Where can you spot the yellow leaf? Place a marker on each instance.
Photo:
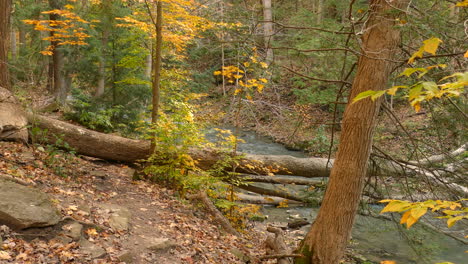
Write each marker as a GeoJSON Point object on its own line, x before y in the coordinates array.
{"type": "Point", "coordinates": [463, 4]}
{"type": "Point", "coordinates": [396, 206]}
{"type": "Point", "coordinates": [417, 54]}
{"type": "Point", "coordinates": [394, 89]}
{"type": "Point", "coordinates": [431, 45]}
{"type": "Point", "coordinates": [466, 54]}
{"type": "Point", "coordinates": [417, 107]}
{"type": "Point", "coordinates": [418, 212]}
{"type": "Point", "coordinates": [405, 216]}
{"type": "Point", "coordinates": [410, 221]}
{"type": "Point", "coordinates": [4, 255]}
{"type": "Point", "coordinates": [388, 262]}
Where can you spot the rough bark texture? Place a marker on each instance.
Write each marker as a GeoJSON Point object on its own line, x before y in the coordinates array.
{"type": "Point", "coordinates": [326, 241]}
{"type": "Point", "coordinates": [58, 81]}
{"type": "Point", "coordinates": [5, 10]}
{"type": "Point", "coordinates": [157, 57]}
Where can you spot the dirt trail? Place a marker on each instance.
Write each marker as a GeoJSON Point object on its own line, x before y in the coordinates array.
{"type": "Point", "coordinates": [161, 228]}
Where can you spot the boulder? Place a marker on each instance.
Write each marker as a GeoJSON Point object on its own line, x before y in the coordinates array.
{"type": "Point", "coordinates": [23, 207]}
{"type": "Point", "coordinates": [13, 121]}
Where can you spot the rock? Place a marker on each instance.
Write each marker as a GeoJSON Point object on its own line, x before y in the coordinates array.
{"type": "Point", "coordinates": [297, 223]}
{"type": "Point", "coordinates": [119, 217]}
{"type": "Point", "coordinates": [23, 207]}
{"type": "Point", "coordinates": [73, 230]}
{"type": "Point", "coordinates": [13, 121]}
{"type": "Point", "coordinates": [125, 256]}
{"type": "Point", "coordinates": [90, 249]}
{"type": "Point", "coordinates": [160, 244]}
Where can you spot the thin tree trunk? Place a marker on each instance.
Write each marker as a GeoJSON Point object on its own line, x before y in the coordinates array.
{"type": "Point", "coordinates": [326, 241]}
{"type": "Point", "coordinates": [5, 12]}
{"type": "Point", "coordinates": [157, 70]}
{"type": "Point", "coordinates": [13, 45]}
{"type": "Point", "coordinates": [268, 30]}
{"type": "Point", "coordinates": [319, 11]}
{"type": "Point", "coordinates": [101, 87]}
{"type": "Point", "coordinates": [59, 89]}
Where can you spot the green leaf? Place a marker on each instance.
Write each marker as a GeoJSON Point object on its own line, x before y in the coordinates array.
{"type": "Point", "coordinates": [364, 95]}
{"type": "Point", "coordinates": [408, 71]}
{"type": "Point", "coordinates": [377, 95]}
{"type": "Point", "coordinates": [415, 91]}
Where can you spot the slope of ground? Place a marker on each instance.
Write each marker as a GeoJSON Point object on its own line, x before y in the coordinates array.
{"type": "Point", "coordinates": [161, 229]}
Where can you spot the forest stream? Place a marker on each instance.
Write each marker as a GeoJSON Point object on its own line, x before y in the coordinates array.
{"type": "Point", "coordinates": [375, 238]}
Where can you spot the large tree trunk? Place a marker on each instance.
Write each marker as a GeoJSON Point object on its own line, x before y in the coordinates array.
{"type": "Point", "coordinates": [326, 241]}
{"type": "Point", "coordinates": [5, 10]}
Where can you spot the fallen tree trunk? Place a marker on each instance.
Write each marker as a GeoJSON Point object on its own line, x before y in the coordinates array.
{"type": "Point", "coordinates": [270, 192]}
{"type": "Point", "coordinates": [279, 179]}
{"type": "Point", "coordinates": [112, 147]}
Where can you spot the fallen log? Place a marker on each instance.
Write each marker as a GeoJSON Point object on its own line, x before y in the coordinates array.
{"type": "Point", "coordinates": [111, 147]}
{"type": "Point", "coordinates": [281, 179]}
{"type": "Point", "coordinates": [258, 199]}
{"type": "Point", "coordinates": [270, 192]}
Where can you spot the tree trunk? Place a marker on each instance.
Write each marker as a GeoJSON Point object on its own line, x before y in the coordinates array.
{"type": "Point", "coordinates": [13, 45]}
{"type": "Point", "coordinates": [56, 71]}
{"type": "Point", "coordinates": [101, 87]}
{"type": "Point", "coordinates": [157, 70]}
{"type": "Point", "coordinates": [268, 29]}
{"type": "Point", "coordinates": [5, 13]}
{"type": "Point", "coordinates": [326, 241]}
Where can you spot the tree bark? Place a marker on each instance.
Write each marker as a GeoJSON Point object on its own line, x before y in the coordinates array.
{"type": "Point", "coordinates": [5, 13]}
{"type": "Point", "coordinates": [157, 70]}
{"type": "Point", "coordinates": [58, 87]}
{"type": "Point", "coordinates": [101, 87]}
{"type": "Point", "coordinates": [326, 241]}
{"type": "Point", "coordinates": [268, 30]}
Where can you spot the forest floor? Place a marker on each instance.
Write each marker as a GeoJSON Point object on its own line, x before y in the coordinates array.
{"type": "Point", "coordinates": [83, 189]}
{"type": "Point", "coordinates": [80, 186]}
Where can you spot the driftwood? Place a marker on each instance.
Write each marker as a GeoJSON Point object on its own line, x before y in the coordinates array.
{"type": "Point", "coordinates": [211, 208]}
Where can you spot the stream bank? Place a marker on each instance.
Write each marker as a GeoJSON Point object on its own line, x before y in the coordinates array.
{"type": "Point", "coordinates": [374, 239]}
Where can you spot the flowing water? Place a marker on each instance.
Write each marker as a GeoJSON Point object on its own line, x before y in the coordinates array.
{"type": "Point", "coordinates": [374, 238]}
